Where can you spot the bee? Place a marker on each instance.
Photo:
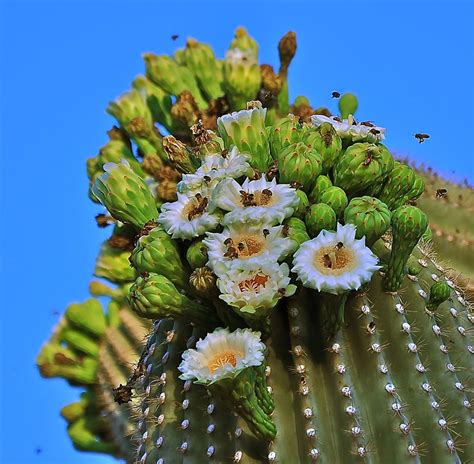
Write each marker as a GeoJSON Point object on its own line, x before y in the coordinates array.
{"type": "Point", "coordinates": [295, 184]}
{"type": "Point", "coordinates": [337, 118]}
{"type": "Point", "coordinates": [281, 291]}
{"type": "Point", "coordinates": [241, 246]}
{"type": "Point", "coordinates": [228, 241]}
{"type": "Point", "coordinates": [267, 192]}
{"type": "Point", "coordinates": [200, 208]}
{"type": "Point", "coordinates": [174, 37]}
{"type": "Point", "coordinates": [224, 153]}
{"type": "Point", "coordinates": [368, 159]}
{"type": "Point", "coordinates": [256, 174]}
{"type": "Point", "coordinates": [301, 120]}
{"type": "Point", "coordinates": [265, 232]}
{"type": "Point", "coordinates": [339, 245]}
{"type": "Point", "coordinates": [442, 192]}
{"type": "Point", "coordinates": [285, 230]}
{"type": "Point", "coordinates": [367, 123]}
{"type": "Point", "coordinates": [207, 178]}
{"type": "Point", "coordinates": [374, 131]}
{"type": "Point", "coordinates": [272, 170]}
{"type": "Point", "coordinates": [335, 95]}
{"type": "Point", "coordinates": [421, 137]}
{"type": "Point", "coordinates": [247, 199]}
{"type": "Point", "coordinates": [268, 95]}
{"type": "Point", "coordinates": [231, 253]}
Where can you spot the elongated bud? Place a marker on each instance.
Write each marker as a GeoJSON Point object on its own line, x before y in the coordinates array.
{"type": "Point", "coordinates": [125, 194]}
{"type": "Point", "coordinates": [81, 342]}
{"type": "Point", "coordinates": [408, 225]}
{"type": "Point", "coordinates": [112, 264]}
{"type": "Point", "coordinates": [322, 184]}
{"type": "Point", "coordinates": [171, 77]}
{"type": "Point", "coordinates": [285, 132]}
{"type": "Point", "coordinates": [179, 154]}
{"type": "Point", "coordinates": [439, 293]}
{"type": "Point", "coordinates": [348, 104]}
{"type": "Point", "coordinates": [286, 51]}
{"type": "Point", "coordinates": [243, 41]}
{"type": "Point", "coordinates": [370, 216]}
{"type": "Point", "coordinates": [200, 59]}
{"type": "Point", "coordinates": [196, 254]}
{"type": "Point", "coordinates": [336, 198]}
{"type": "Point", "coordinates": [299, 163]}
{"type": "Point", "coordinates": [417, 188]}
{"type": "Point", "coordinates": [154, 296]}
{"type": "Point", "coordinates": [87, 316]}
{"type": "Point", "coordinates": [246, 130]}
{"type": "Point", "coordinates": [399, 182]}
{"type": "Point", "coordinates": [156, 252]}
{"type": "Point", "coordinates": [206, 141]}
{"type": "Point", "coordinates": [185, 110]}
{"type": "Point", "coordinates": [320, 217]}
{"type": "Point", "coordinates": [97, 288]}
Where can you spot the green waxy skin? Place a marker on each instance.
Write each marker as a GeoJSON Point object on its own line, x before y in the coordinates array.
{"type": "Point", "coordinates": [348, 105]}
{"type": "Point", "coordinates": [399, 183]}
{"type": "Point", "coordinates": [370, 216]}
{"type": "Point", "coordinates": [327, 143]}
{"type": "Point", "coordinates": [113, 264]}
{"type": "Point", "coordinates": [158, 253]}
{"type": "Point", "coordinates": [322, 183]}
{"type": "Point", "coordinates": [336, 198]}
{"type": "Point", "coordinates": [303, 205]}
{"type": "Point", "coordinates": [299, 163]}
{"type": "Point", "coordinates": [196, 254]}
{"type": "Point", "coordinates": [439, 293]}
{"type": "Point", "coordinates": [320, 216]}
{"type": "Point", "coordinates": [287, 131]}
{"type": "Point", "coordinates": [408, 225]}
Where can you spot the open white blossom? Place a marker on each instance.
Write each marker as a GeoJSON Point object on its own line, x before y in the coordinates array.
{"type": "Point", "coordinates": [257, 287]}
{"type": "Point", "coordinates": [335, 262]}
{"type": "Point", "coordinates": [243, 244]}
{"type": "Point", "coordinates": [231, 125]}
{"type": "Point", "coordinates": [222, 355]}
{"type": "Point", "coordinates": [189, 217]}
{"type": "Point", "coordinates": [256, 201]}
{"type": "Point", "coordinates": [347, 128]}
{"type": "Point", "coordinates": [215, 168]}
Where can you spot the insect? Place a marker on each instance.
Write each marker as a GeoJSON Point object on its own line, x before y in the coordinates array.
{"type": "Point", "coordinates": [335, 95]}
{"type": "Point", "coordinates": [339, 245]}
{"type": "Point", "coordinates": [241, 246]}
{"type": "Point", "coordinates": [374, 131]}
{"type": "Point", "coordinates": [442, 192]}
{"type": "Point", "coordinates": [267, 192]}
{"type": "Point", "coordinates": [367, 123]}
{"type": "Point", "coordinates": [207, 178]}
{"type": "Point", "coordinates": [122, 394]}
{"type": "Point", "coordinates": [247, 199]}
{"type": "Point", "coordinates": [224, 153]}
{"type": "Point", "coordinates": [265, 232]}
{"type": "Point", "coordinates": [368, 159]}
{"type": "Point", "coordinates": [174, 36]}
{"type": "Point", "coordinates": [228, 241]}
{"type": "Point", "coordinates": [295, 184]}
{"type": "Point", "coordinates": [421, 137]}
{"type": "Point", "coordinates": [231, 253]}
{"type": "Point", "coordinates": [200, 208]}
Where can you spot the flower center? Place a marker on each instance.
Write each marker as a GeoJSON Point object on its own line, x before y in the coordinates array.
{"type": "Point", "coordinates": [257, 198]}
{"type": "Point", "coordinates": [253, 284]}
{"type": "Point", "coordinates": [223, 358]}
{"type": "Point", "coordinates": [244, 246]}
{"type": "Point", "coordinates": [335, 260]}
{"type": "Point", "coordinates": [195, 207]}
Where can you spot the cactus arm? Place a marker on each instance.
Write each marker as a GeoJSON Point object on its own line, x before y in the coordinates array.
{"type": "Point", "coordinates": [83, 438]}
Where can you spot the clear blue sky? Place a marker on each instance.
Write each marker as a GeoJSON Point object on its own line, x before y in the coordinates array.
{"type": "Point", "coordinates": [410, 63]}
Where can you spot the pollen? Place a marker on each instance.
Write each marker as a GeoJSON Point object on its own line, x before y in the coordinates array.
{"type": "Point", "coordinates": [334, 260]}
{"type": "Point", "coordinates": [195, 207]}
{"type": "Point", "coordinates": [221, 359]}
{"type": "Point", "coordinates": [253, 284]}
{"type": "Point", "coordinates": [249, 245]}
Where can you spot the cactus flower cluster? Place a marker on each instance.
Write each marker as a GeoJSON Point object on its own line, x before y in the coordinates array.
{"type": "Point", "coordinates": [297, 312]}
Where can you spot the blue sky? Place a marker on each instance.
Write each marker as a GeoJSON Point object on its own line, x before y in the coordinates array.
{"type": "Point", "coordinates": [410, 63]}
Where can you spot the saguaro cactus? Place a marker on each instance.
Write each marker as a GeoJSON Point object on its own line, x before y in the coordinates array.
{"type": "Point", "coordinates": [298, 312]}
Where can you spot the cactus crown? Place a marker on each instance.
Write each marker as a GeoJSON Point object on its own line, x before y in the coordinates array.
{"type": "Point", "coordinates": [276, 254]}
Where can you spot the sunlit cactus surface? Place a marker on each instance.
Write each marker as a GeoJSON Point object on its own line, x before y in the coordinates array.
{"type": "Point", "coordinates": [276, 296]}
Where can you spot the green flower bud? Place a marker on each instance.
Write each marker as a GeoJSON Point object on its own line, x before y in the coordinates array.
{"type": "Point", "coordinates": [336, 198]}
{"type": "Point", "coordinates": [206, 141]}
{"type": "Point", "coordinates": [125, 194]}
{"type": "Point", "coordinates": [97, 288]}
{"type": "Point", "coordinates": [408, 226]}
{"type": "Point", "coordinates": [320, 217]}
{"type": "Point", "coordinates": [295, 229]}
{"type": "Point", "coordinates": [428, 235]}
{"type": "Point", "coordinates": [303, 205]}
{"type": "Point", "coordinates": [322, 183]}
{"type": "Point", "coordinates": [84, 435]}
{"type": "Point", "coordinates": [243, 41]}
{"type": "Point", "coordinates": [159, 102]}
{"type": "Point", "coordinates": [399, 182]}
{"type": "Point", "coordinates": [87, 316]}
{"type": "Point", "coordinates": [287, 131]}
{"type": "Point", "coordinates": [299, 163]}
{"type": "Point", "coordinates": [325, 140]}
{"type": "Point", "coordinates": [113, 264]}
{"type": "Point", "coordinates": [439, 293]}
{"type": "Point", "coordinates": [158, 253]}
{"type": "Point", "coordinates": [417, 188]}
{"type": "Point", "coordinates": [196, 254]}
{"type": "Point", "coordinates": [370, 216]}
{"type": "Point", "coordinates": [179, 154]}
{"type": "Point", "coordinates": [133, 114]}
{"type": "Point", "coordinates": [154, 296]}
{"type": "Point", "coordinates": [359, 167]}
{"type": "Point", "coordinates": [74, 411]}
{"type": "Point", "coordinates": [301, 100]}
{"type": "Point", "coordinates": [171, 77]}
{"type": "Point", "coordinates": [348, 105]}
{"type": "Point", "coordinates": [200, 59]}
{"type": "Point", "coordinates": [413, 266]}
{"type": "Point", "coordinates": [246, 130]}
{"type": "Point", "coordinates": [79, 341]}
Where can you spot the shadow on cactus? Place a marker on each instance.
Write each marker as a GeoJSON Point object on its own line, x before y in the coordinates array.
{"type": "Point", "coordinates": [299, 312]}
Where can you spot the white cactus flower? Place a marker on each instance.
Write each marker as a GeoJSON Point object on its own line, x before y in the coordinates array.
{"type": "Point", "coordinates": [215, 168]}
{"type": "Point", "coordinates": [189, 216]}
{"type": "Point", "coordinates": [335, 262]}
{"type": "Point", "coordinates": [243, 244]}
{"type": "Point", "coordinates": [349, 129]}
{"type": "Point", "coordinates": [231, 125]}
{"type": "Point", "coordinates": [222, 355]}
{"type": "Point", "coordinates": [256, 201]}
{"type": "Point", "coordinates": [256, 288]}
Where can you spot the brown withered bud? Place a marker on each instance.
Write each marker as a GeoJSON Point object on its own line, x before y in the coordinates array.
{"type": "Point", "coordinates": [270, 80]}
{"type": "Point", "coordinates": [179, 154]}
{"type": "Point", "coordinates": [122, 394]}
{"type": "Point", "coordinates": [166, 190]}
{"type": "Point", "coordinates": [118, 134]}
{"type": "Point", "coordinates": [286, 50]}
{"type": "Point", "coordinates": [104, 220]}
{"type": "Point", "coordinates": [121, 242]}
{"type": "Point", "coordinates": [185, 109]}
{"type": "Point", "coordinates": [139, 127]}
{"type": "Point", "coordinates": [152, 164]}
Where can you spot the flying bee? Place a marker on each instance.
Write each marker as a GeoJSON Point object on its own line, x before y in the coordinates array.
{"type": "Point", "coordinates": [421, 137]}
{"type": "Point", "coordinates": [442, 192]}
{"type": "Point", "coordinates": [174, 37]}
{"type": "Point", "coordinates": [335, 95]}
